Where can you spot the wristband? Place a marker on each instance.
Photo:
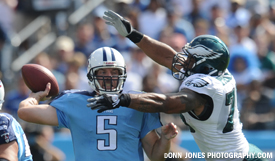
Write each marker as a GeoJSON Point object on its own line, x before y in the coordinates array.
{"type": "Point", "coordinates": [125, 100]}
{"type": "Point", "coordinates": [135, 36]}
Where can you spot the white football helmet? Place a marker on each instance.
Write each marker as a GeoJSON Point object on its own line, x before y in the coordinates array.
{"type": "Point", "coordinates": [2, 94]}
{"type": "Point", "coordinates": [106, 57]}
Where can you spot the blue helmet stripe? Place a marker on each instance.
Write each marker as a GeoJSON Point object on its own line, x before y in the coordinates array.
{"type": "Point", "coordinates": [104, 55]}
{"type": "Point", "coordinates": [113, 55]}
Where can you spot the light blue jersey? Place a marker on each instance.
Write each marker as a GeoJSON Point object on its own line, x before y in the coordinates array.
{"type": "Point", "coordinates": [110, 135]}
{"type": "Point", "coordinates": [11, 130]}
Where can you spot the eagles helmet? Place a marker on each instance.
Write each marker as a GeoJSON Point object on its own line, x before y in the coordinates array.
{"type": "Point", "coordinates": [205, 54]}
{"type": "Point", "coordinates": [2, 94]}
{"type": "Point", "coordinates": [106, 57]}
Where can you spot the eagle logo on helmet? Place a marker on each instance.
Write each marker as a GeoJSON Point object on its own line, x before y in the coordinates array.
{"type": "Point", "coordinates": [200, 51]}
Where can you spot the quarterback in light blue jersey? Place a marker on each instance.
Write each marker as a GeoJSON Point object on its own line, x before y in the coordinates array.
{"type": "Point", "coordinates": [13, 142]}
{"type": "Point", "coordinates": [111, 135]}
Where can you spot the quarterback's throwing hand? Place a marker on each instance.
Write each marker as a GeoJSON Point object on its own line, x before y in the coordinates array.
{"type": "Point", "coordinates": [122, 25]}
{"type": "Point", "coordinates": [108, 102]}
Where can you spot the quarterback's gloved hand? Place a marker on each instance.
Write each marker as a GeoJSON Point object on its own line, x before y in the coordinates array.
{"type": "Point", "coordinates": [108, 102]}
{"type": "Point", "coordinates": [122, 25]}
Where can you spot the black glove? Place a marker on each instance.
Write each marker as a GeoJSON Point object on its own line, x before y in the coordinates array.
{"type": "Point", "coordinates": [122, 25]}
{"type": "Point", "coordinates": [108, 102]}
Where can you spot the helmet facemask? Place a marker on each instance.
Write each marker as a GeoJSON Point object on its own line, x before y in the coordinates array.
{"type": "Point", "coordinates": [107, 84]}
{"type": "Point", "coordinates": [182, 64]}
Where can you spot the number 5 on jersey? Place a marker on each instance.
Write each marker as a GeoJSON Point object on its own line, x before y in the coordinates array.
{"type": "Point", "coordinates": [111, 143]}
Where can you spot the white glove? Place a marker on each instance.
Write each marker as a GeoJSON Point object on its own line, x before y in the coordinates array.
{"type": "Point", "coordinates": [122, 25]}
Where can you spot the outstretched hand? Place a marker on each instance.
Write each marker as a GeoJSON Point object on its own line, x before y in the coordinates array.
{"type": "Point", "coordinates": [122, 25]}
{"type": "Point", "coordinates": [169, 131]}
{"type": "Point", "coordinates": [108, 102]}
{"type": "Point", "coordinates": [104, 102]}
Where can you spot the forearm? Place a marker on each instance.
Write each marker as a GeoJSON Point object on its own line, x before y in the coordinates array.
{"type": "Point", "coordinates": [154, 102]}
{"type": "Point", "coordinates": [148, 102]}
{"type": "Point", "coordinates": [161, 146]}
{"type": "Point", "coordinates": [158, 51]}
{"type": "Point", "coordinates": [30, 111]}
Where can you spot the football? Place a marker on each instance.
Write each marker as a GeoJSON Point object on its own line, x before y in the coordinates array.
{"type": "Point", "coordinates": [36, 78]}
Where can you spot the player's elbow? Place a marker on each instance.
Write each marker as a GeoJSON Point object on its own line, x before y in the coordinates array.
{"type": "Point", "coordinates": [22, 114]}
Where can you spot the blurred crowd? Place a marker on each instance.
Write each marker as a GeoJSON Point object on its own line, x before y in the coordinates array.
{"type": "Point", "coordinates": [246, 26]}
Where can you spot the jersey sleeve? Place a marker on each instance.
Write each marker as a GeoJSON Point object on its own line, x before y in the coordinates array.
{"type": "Point", "coordinates": [62, 119]}
{"type": "Point", "coordinates": [67, 104]}
{"type": "Point", "coordinates": [7, 133]}
{"type": "Point", "coordinates": [151, 121]}
{"type": "Point", "coordinates": [60, 104]}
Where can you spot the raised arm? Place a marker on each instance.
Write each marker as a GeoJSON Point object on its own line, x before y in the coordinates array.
{"type": "Point", "coordinates": [156, 50]}
{"type": "Point", "coordinates": [30, 110]}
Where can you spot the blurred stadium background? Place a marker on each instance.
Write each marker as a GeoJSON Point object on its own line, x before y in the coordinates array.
{"type": "Point", "coordinates": [60, 35]}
